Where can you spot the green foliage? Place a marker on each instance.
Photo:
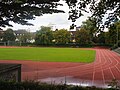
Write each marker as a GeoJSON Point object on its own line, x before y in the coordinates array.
{"type": "Point", "coordinates": [107, 38]}
{"type": "Point", "coordinates": [19, 11]}
{"type": "Point", "coordinates": [62, 36]}
{"type": "Point", "coordinates": [9, 35]}
{"type": "Point", "coordinates": [114, 32]}
{"type": "Point", "coordinates": [91, 26]}
{"type": "Point", "coordinates": [32, 85]}
{"type": "Point", "coordinates": [101, 37]}
{"type": "Point", "coordinates": [48, 54]}
{"type": "Point", "coordinates": [44, 36]}
{"type": "Point", "coordinates": [99, 9]}
{"type": "Point", "coordinates": [82, 37]}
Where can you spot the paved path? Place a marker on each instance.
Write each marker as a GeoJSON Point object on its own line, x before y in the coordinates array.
{"type": "Point", "coordinates": [105, 68]}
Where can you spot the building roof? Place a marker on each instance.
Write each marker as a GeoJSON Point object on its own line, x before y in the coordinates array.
{"type": "Point", "coordinates": [20, 32]}
{"type": "Point", "coordinates": [4, 67]}
{"type": "Point", "coordinates": [73, 32]}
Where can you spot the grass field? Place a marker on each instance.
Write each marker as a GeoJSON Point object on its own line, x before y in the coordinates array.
{"type": "Point", "coordinates": [48, 54]}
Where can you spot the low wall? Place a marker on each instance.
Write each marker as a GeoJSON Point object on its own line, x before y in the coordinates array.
{"type": "Point", "coordinates": [10, 72]}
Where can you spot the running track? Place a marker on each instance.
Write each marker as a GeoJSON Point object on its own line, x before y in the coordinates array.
{"type": "Point", "coordinates": [105, 68]}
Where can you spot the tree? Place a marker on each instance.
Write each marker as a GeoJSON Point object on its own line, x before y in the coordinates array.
{"type": "Point", "coordinates": [44, 36]}
{"type": "Point", "coordinates": [62, 36]}
{"type": "Point", "coordinates": [98, 8]}
{"type": "Point", "coordinates": [107, 38]}
{"type": "Point", "coordinates": [103, 7]}
{"type": "Point", "coordinates": [101, 38]}
{"type": "Point", "coordinates": [9, 35]}
{"type": "Point", "coordinates": [82, 37]}
{"type": "Point", "coordinates": [91, 25]}
{"type": "Point", "coordinates": [19, 11]}
{"type": "Point", "coordinates": [114, 32]}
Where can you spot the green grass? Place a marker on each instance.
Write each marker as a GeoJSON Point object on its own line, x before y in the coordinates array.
{"type": "Point", "coordinates": [48, 54]}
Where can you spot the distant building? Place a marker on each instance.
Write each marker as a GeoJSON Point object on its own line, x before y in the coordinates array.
{"type": "Point", "coordinates": [10, 72]}
{"type": "Point", "coordinates": [72, 35]}
{"type": "Point", "coordinates": [78, 28]}
{"type": "Point", "coordinates": [24, 36]}
{"type": "Point", "coordinates": [20, 32]}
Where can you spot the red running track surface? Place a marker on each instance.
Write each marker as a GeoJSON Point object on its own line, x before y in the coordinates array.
{"type": "Point", "coordinates": [105, 68]}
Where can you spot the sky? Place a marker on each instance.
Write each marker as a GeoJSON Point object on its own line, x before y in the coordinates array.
{"type": "Point", "coordinates": [57, 20]}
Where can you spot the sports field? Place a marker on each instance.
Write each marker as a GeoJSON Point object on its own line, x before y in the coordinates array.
{"type": "Point", "coordinates": [48, 54]}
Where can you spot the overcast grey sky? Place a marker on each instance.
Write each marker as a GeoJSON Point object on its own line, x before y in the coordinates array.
{"type": "Point", "coordinates": [58, 20]}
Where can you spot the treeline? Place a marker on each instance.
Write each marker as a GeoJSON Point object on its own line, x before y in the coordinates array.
{"type": "Point", "coordinates": [87, 35]}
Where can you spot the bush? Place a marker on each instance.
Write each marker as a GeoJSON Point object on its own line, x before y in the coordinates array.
{"type": "Point", "coordinates": [32, 85]}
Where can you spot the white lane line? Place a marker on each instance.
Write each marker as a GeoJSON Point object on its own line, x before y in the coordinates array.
{"type": "Point", "coordinates": [112, 73]}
